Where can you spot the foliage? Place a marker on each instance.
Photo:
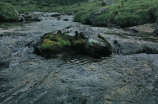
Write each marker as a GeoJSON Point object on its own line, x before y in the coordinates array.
{"type": "Point", "coordinates": [7, 13]}
{"type": "Point", "coordinates": [127, 20]}
{"type": "Point", "coordinates": [133, 12]}
{"type": "Point", "coordinates": [85, 18]}
{"type": "Point", "coordinates": [60, 2]}
{"type": "Point", "coordinates": [103, 20]}
{"type": "Point", "coordinates": [78, 15]}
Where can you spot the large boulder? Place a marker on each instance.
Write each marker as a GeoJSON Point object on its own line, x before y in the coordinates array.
{"type": "Point", "coordinates": [74, 39]}
{"type": "Point", "coordinates": [56, 15]}
{"type": "Point", "coordinates": [128, 48]}
{"type": "Point", "coordinates": [29, 17]}
{"type": "Point", "coordinates": [96, 13]}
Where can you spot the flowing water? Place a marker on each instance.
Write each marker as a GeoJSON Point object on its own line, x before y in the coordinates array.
{"type": "Point", "coordinates": [26, 78]}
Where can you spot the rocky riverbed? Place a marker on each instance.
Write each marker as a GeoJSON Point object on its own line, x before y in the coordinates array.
{"type": "Point", "coordinates": [128, 76]}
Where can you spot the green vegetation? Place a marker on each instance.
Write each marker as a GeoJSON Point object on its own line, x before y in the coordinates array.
{"type": "Point", "coordinates": [55, 43]}
{"type": "Point", "coordinates": [128, 13]}
{"type": "Point", "coordinates": [7, 12]}
{"type": "Point", "coordinates": [59, 2]}
{"type": "Point", "coordinates": [80, 42]}
{"type": "Point", "coordinates": [8, 8]}
{"type": "Point", "coordinates": [132, 12]}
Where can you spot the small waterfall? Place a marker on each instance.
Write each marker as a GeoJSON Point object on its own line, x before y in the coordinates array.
{"type": "Point", "coordinates": [23, 19]}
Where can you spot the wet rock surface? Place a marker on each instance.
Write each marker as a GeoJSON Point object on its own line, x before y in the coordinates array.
{"type": "Point", "coordinates": [32, 79]}
{"type": "Point", "coordinates": [4, 64]}
{"type": "Point", "coordinates": [155, 32]}
{"type": "Point", "coordinates": [128, 48]}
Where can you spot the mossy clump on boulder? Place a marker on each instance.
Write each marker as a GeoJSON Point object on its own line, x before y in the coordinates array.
{"type": "Point", "coordinates": [55, 43]}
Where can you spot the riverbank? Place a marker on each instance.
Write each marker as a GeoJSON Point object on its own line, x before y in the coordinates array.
{"type": "Point", "coordinates": [118, 13]}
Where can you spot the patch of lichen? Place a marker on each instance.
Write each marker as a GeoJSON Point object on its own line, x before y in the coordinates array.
{"type": "Point", "coordinates": [79, 42]}
{"type": "Point", "coordinates": [55, 43]}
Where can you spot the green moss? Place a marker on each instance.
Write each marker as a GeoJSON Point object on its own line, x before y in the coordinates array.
{"type": "Point", "coordinates": [50, 46]}
{"type": "Point", "coordinates": [101, 37]}
{"type": "Point", "coordinates": [65, 43]}
{"type": "Point", "coordinates": [79, 42]}
{"type": "Point", "coordinates": [55, 43]}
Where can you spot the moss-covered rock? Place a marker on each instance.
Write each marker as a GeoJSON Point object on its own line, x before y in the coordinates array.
{"type": "Point", "coordinates": [75, 39]}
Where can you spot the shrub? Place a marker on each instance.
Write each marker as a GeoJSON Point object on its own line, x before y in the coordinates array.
{"type": "Point", "coordinates": [85, 19]}
{"type": "Point", "coordinates": [125, 20]}
{"type": "Point", "coordinates": [7, 13]}
{"type": "Point", "coordinates": [134, 12]}
{"type": "Point", "coordinates": [104, 19]}
{"type": "Point", "coordinates": [78, 16]}
{"type": "Point", "coordinates": [144, 15]}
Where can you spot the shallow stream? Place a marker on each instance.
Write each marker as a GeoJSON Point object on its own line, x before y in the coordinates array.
{"type": "Point", "coordinates": [26, 78]}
